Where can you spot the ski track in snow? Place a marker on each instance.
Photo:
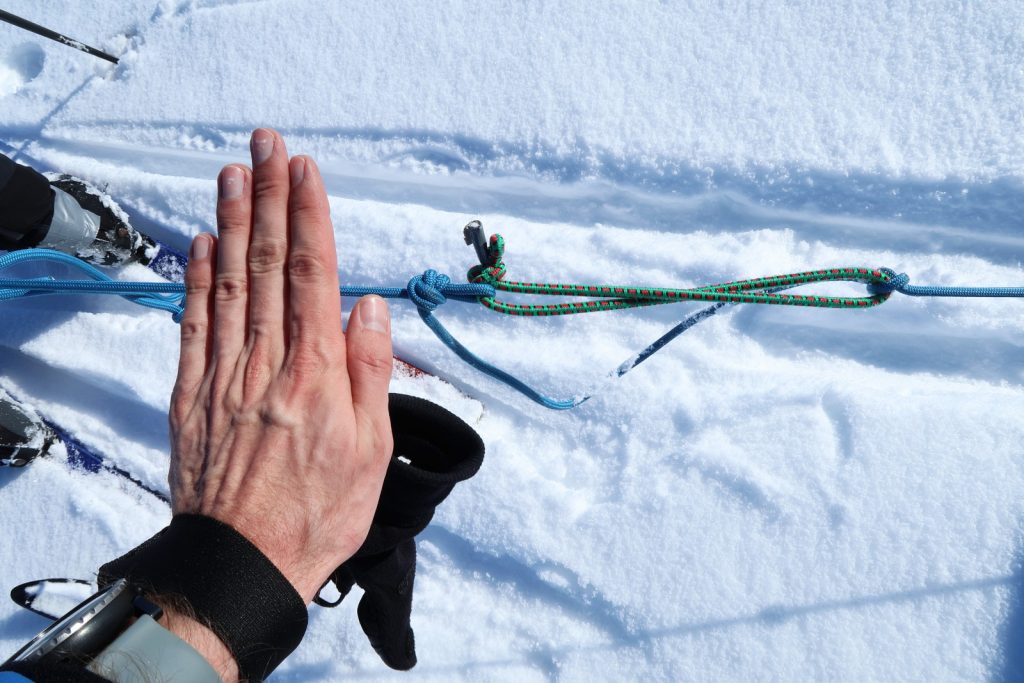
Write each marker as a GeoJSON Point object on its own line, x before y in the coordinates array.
{"type": "Point", "coordinates": [961, 217]}
{"type": "Point", "coordinates": [773, 481]}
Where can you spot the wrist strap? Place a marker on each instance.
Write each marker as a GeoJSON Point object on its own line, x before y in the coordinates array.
{"type": "Point", "coordinates": [232, 587]}
{"type": "Point", "coordinates": [146, 651]}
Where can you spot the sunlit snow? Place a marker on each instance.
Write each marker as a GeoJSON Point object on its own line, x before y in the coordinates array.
{"type": "Point", "coordinates": [779, 494]}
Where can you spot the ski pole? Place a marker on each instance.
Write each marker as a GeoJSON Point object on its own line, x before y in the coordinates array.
{"type": "Point", "coordinates": [53, 35]}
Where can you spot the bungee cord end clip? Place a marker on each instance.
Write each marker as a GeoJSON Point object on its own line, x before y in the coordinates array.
{"type": "Point", "coordinates": [473, 233]}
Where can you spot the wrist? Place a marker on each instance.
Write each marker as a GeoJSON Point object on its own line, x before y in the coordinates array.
{"type": "Point", "coordinates": [179, 620]}
{"type": "Point", "coordinates": [120, 635]}
{"type": "Point", "coordinates": [228, 583]}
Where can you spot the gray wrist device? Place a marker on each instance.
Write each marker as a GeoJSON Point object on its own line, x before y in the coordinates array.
{"type": "Point", "coordinates": [97, 634]}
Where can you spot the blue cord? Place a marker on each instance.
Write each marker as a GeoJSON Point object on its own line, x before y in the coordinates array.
{"type": "Point", "coordinates": [169, 296]}
{"type": "Point", "coordinates": [143, 293]}
{"type": "Point", "coordinates": [426, 291]}
{"type": "Point", "coordinates": [899, 283]}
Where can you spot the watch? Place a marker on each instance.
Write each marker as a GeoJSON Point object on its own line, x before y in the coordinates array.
{"type": "Point", "coordinates": [97, 633]}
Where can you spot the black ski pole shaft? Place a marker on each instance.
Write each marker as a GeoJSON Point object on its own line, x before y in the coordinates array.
{"type": "Point", "coordinates": [53, 35]}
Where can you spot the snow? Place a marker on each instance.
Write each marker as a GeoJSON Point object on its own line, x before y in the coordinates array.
{"type": "Point", "coordinates": [779, 494]}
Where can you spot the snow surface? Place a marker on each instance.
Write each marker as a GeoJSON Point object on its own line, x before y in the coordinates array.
{"type": "Point", "coordinates": [781, 495]}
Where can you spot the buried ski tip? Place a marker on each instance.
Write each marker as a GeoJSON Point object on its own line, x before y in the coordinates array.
{"type": "Point", "coordinates": [24, 435]}
{"type": "Point", "coordinates": [114, 241]}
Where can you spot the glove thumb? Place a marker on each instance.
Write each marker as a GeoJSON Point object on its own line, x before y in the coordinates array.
{"type": "Point", "coordinates": [386, 605]}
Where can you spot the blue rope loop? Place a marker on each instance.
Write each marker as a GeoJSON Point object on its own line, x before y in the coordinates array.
{"type": "Point", "coordinates": [163, 296]}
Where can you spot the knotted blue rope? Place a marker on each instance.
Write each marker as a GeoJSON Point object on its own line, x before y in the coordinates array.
{"type": "Point", "coordinates": [427, 291]}
{"type": "Point", "coordinates": [432, 289]}
{"type": "Point", "coordinates": [900, 283]}
{"type": "Point", "coordinates": [168, 296]}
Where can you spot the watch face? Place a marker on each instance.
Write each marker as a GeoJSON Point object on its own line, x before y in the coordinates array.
{"type": "Point", "coordinates": [85, 629]}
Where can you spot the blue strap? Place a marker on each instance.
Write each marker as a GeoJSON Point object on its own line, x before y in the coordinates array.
{"type": "Point", "coordinates": [11, 677]}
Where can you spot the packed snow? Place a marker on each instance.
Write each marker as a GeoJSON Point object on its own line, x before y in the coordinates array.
{"type": "Point", "coordinates": [780, 494]}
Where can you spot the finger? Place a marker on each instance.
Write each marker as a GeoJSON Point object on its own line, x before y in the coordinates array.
{"type": "Point", "coordinates": [196, 342]}
{"type": "Point", "coordinates": [268, 246]}
{"type": "Point", "coordinates": [234, 216]}
{"type": "Point", "coordinates": [314, 309]}
{"type": "Point", "coordinates": [369, 359]}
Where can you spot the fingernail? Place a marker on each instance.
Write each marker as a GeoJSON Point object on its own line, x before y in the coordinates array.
{"type": "Point", "coordinates": [262, 145]}
{"type": "Point", "coordinates": [200, 247]}
{"type": "Point", "coordinates": [298, 170]}
{"type": "Point", "coordinates": [231, 182]}
{"type": "Point", "coordinates": [373, 314]}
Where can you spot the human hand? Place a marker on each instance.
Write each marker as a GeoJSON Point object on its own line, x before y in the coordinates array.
{"type": "Point", "coordinates": [279, 422]}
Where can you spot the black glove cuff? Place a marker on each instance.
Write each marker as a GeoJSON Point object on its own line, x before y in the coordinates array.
{"type": "Point", "coordinates": [434, 450]}
{"type": "Point", "coordinates": [232, 587]}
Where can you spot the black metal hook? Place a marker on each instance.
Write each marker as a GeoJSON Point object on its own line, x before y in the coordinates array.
{"type": "Point", "coordinates": [473, 233]}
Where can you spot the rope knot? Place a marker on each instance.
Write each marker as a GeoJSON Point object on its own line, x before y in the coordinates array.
{"type": "Point", "coordinates": [427, 290]}
{"type": "Point", "coordinates": [895, 282]}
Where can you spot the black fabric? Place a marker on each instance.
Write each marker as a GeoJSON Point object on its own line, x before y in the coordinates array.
{"type": "Point", "coordinates": [231, 586]}
{"type": "Point", "coordinates": [7, 167]}
{"type": "Point", "coordinates": [26, 205]}
{"type": "Point", "coordinates": [55, 672]}
{"type": "Point", "coordinates": [434, 450]}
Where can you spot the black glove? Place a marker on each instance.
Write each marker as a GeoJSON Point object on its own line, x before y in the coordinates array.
{"type": "Point", "coordinates": [434, 450]}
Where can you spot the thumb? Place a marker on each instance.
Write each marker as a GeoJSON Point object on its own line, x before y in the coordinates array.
{"type": "Point", "coordinates": [368, 350]}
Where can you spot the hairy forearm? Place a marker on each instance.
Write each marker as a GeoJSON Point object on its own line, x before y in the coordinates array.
{"type": "Point", "coordinates": [204, 641]}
